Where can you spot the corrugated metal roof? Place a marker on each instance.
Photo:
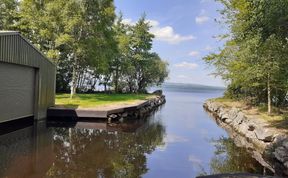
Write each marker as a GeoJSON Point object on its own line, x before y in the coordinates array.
{"type": "Point", "coordinates": [8, 32]}
{"type": "Point", "coordinates": [4, 33]}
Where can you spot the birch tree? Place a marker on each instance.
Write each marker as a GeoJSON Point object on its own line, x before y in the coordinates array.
{"type": "Point", "coordinates": [254, 59]}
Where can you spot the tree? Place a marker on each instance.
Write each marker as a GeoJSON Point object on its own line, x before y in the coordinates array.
{"type": "Point", "coordinates": [8, 14]}
{"type": "Point", "coordinates": [153, 72]}
{"type": "Point", "coordinates": [253, 59]}
{"type": "Point", "coordinates": [123, 38]}
{"type": "Point", "coordinates": [101, 43]}
{"type": "Point", "coordinates": [141, 44]}
{"type": "Point", "coordinates": [87, 45]}
{"type": "Point", "coordinates": [138, 66]}
{"type": "Point", "coordinates": [273, 58]}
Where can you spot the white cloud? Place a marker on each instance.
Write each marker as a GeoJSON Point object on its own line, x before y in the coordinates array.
{"type": "Point", "coordinates": [194, 159]}
{"type": "Point", "coordinates": [194, 53]}
{"type": "Point", "coordinates": [209, 48]}
{"type": "Point", "coordinates": [153, 23]}
{"type": "Point", "coordinates": [182, 76]}
{"type": "Point", "coordinates": [128, 21]}
{"type": "Point", "coordinates": [202, 17]}
{"type": "Point", "coordinates": [167, 34]}
{"type": "Point", "coordinates": [205, 1]}
{"type": "Point", "coordinates": [196, 162]}
{"type": "Point", "coordinates": [188, 65]}
{"type": "Point", "coordinates": [171, 138]}
{"type": "Point", "coordinates": [164, 33]}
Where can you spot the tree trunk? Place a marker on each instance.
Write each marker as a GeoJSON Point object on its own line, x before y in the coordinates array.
{"type": "Point", "coordinates": [93, 86]}
{"type": "Point", "coordinates": [83, 79]}
{"type": "Point", "coordinates": [74, 80]}
{"type": "Point", "coordinates": [116, 80]}
{"type": "Point", "coordinates": [74, 73]}
{"type": "Point", "coordinates": [105, 87]}
{"type": "Point", "coordinates": [269, 94]}
{"type": "Point", "coordinates": [79, 79]}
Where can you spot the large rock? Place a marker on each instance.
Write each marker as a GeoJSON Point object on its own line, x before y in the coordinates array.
{"type": "Point", "coordinates": [264, 134]}
{"type": "Point", "coordinates": [233, 113]}
{"type": "Point", "coordinates": [281, 154]}
{"type": "Point", "coordinates": [279, 149]}
{"type": "Point", "coordinates": [238, 119]}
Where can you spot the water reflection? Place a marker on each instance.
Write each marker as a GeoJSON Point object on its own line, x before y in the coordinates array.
{"type": "Point", "coordinates": [230, 158]}
{"type": "Point", "coordinates": [177, 141]}
{"type": "Point", "coordinates": [81, 149]}
{"type": "Point", "coordinates": [27, 152]}
{"type": "Point", "coordinates": [103, 153]}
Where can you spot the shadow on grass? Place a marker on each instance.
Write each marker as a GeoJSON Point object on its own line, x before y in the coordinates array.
{"type": "Point", "coordinates": [112, 97]}
{"type": "Point", "coordinates": [68, 106]}
{"type": "Point", "coordinates": [280, 124]}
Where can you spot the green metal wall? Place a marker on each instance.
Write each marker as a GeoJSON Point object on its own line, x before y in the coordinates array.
{"type": "Point", "coordinates": [15, 49]}
{"type": "Point", "coordinates": [17, 91]}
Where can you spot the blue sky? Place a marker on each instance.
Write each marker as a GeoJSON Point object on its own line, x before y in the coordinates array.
{"type": "Point", "coordinates": [185, 31]}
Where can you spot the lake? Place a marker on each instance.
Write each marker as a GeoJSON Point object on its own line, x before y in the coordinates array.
{"type": "Point", "coordinates": [180, 139]}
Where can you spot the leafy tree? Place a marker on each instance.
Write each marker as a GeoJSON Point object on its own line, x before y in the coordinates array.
{"type": "Point", "coordinates": [8, 14]}
{"type": "Point", "coordinates": [141, 45]}
{"type": "Point", "coordinates": [134, 64]}
{"type": "Point", "coordinates": [254, 57]}
{"type": "Point", "coordinates": [86, 44]}
{"type": "Point", "coordinates": [154, 71]}
{"type": "Point", "coordinates": [142, 59]}
{"type": "Point", "coordinates": [123, 38]}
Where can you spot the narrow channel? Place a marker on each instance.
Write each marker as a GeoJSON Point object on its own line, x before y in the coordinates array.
{"type": "Point", "coordinates": [180, 139]}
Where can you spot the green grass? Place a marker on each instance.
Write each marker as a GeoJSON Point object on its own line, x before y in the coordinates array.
{"type": "Point", "coordinates": [99, 99]}
{"type": "Point", "coordinates": [222, 99]}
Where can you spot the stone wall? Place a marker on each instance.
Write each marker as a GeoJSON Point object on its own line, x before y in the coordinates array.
{"type": "Point", "coordinates": [140, 111]}
{"type": "Point", "coordinates": [270, 147]}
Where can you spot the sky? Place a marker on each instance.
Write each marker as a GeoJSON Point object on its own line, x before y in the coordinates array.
{"type": "Point", "coordinates": [185, 31]}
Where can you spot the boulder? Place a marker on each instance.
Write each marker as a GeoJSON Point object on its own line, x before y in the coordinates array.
{"type": "Point", "coordinates": [281, 154]}
{"type": "Point", "coordinates": [238, 119]}
{"type": "Point", "coordinates": [264, 134]}
{"type": "Point", "coordinates": [285, 144]}
{"type": "Point", "coordinates": [233, 113]}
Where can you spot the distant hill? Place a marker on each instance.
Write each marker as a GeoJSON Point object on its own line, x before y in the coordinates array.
{"type": "Point", "coordinates": [189, 85]}
{"type": "Point", "coordinates": [181, 87]}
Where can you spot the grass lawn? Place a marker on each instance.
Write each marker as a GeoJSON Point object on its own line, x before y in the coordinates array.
{"type": "Point", "coordinates": [98, 99]}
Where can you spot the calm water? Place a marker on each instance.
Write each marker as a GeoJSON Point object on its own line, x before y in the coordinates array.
{"type": "Point", "coordinates": [179, 140]}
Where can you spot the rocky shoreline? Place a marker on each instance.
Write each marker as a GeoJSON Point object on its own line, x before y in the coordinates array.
{"type": "Point", "coordinates": [265, 143]}
{"type": "Point", "coordinates": [140, 111]}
